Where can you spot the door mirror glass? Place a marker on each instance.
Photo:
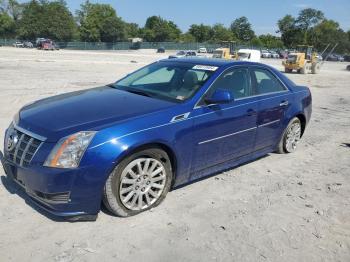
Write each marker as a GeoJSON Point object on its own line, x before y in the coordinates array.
{"type": "Point", "coordinates": [220, 96]}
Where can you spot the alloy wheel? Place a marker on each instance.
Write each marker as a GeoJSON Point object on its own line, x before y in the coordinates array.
{"type": "Point", "coordinates": [142, 183]}
{"type": "Point", "coordinates": [292, 137]}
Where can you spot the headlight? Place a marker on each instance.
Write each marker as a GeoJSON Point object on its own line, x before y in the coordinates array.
{"type": "Point", "coordinates": [69, 150]}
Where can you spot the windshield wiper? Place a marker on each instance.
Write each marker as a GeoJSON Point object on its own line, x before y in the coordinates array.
{"type": "Point", "coordinates": [138, 92]}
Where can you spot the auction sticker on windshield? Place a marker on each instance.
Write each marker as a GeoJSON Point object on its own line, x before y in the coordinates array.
{"type": "Point", "coordinates": [205, 67]}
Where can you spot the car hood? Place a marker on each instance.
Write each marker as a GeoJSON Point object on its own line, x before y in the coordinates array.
{"type": "Point", "coordinates": [92, 109]}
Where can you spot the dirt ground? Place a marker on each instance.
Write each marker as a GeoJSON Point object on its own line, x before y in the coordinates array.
{"type": "Point", "coordinates": [292, 207]}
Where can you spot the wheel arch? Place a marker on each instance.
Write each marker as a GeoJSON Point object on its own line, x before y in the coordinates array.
{"type": "Point", "coordinates": [163, 146]}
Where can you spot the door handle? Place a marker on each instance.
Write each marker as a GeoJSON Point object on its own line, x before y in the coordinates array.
{"type": "Point", "coordinates": [284, 103]}
{"type": "Point", "coordinates": [251, 112]}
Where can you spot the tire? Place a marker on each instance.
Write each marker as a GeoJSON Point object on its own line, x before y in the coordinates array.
{"type": "Point", "coordinates": [287, 70]}
{"type": "Point", "coordinates": [303, 70]}
{"type": "Point", "coordinates": [315, 69]}
{"type": "Point", "coordinates": [127, 175]}
{"type": "Point", "coordinates": [284, 145]}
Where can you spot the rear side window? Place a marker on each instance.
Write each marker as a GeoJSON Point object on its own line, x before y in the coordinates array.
{"type": "Point", "coordinates": [266, 82]}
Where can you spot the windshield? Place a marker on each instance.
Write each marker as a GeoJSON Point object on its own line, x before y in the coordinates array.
{"type": "Point", "coordinates": [217, 54]}
{"type": "Point", "coordinates": [292, 58]}
{"type": "Point", "coordinates": [167, 81]}
{"type": "Point", "coordinates": [243, 55]}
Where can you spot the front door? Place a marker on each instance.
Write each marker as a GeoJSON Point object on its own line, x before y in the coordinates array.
{"type": "Point", "coordinates": [225, 131]}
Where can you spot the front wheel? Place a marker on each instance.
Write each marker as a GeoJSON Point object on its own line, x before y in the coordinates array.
{"type": "Point", "coordinates": [140, 182]}
{"type": "Point", "coordinates": [291, 137]}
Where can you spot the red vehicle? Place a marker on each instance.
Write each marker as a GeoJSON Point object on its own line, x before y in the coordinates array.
{"type": "Point", "coordinates": [47, 44]}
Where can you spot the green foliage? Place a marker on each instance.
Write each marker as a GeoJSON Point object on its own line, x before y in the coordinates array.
{"type": "Point", "coordinates": [202, 33]}
{"type": "Point", "coordinates": [46, 19]}
{"type": "Point", "coordinates": [187, 38]}
{"type": "Point", "coordinates": [242, 29]}
{"type": "Point", "coordinates": [7, 25]}
{"type": "Point", "coordinates": [158, 29]}
{"type": "Point", "coordinates": [132, 30]}
{"type": "Point", "coordinates": [99, 22]}
{"type": "Point", "coordinates": [312, 28]}
{"type": "Point", "coordinates": [271, 41]}
{"type": "Point", "coordinates": [221, 33]}
{"type": "Point", "coordinates": [329, 32]}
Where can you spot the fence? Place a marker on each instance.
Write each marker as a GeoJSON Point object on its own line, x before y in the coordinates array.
{"type": "Point", "coordinates": [128, 45]}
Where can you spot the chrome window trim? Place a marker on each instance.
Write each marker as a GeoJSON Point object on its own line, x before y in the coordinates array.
{"type": "Point", "coordinates": [272, 73]}
{"type": "Point", "coordinates": [29, 133]}
{"type": "Point", "coordinates": [249, 67]}
{"type": "Point", "coordinates": [269, 123]}
{"type": "Point", "coordinates": [228, 135]}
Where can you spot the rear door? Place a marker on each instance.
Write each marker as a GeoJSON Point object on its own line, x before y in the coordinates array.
{"type": "Point", "coordinates": [274, 99]}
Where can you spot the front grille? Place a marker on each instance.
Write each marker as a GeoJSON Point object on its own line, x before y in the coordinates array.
{"type": "Point", "coordinates": [24, 150]}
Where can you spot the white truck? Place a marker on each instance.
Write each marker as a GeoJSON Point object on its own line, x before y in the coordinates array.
{"type": "Point", "coordinates": [248, 55]}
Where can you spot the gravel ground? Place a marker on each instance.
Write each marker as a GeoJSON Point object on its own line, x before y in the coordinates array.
{"type": "Point", "coordinates": [280, 208]}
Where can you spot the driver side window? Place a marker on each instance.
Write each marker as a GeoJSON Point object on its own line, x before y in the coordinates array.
{"type": "Point", "coordinates": [236, 81]}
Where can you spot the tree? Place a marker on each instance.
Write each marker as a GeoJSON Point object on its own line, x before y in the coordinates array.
{"type": "Point", "coordinates": [7, 25]}
{"type": "Point", "coordinates": [187, 38]}
{"type": "Point", "coordinates": [201, 33]}
{"type": "Point", "coordinates": [290, 34]}
{"type": "Point", "coordinates": [46, 19]}
{"type": "Point", "coordinates": [242, 29]}
{"type": "Point", "coordinates": [271, 41]}
{"type": "Point", "coordinates": [99, 22]}
{"type": "Point", "coordinates": [221, 33]}
{"type": "Point", "coordinates": [307, 19]}
{"type": "Point", "coordinates": [158, 29]}
{"type": "Point", "coordinates": [132, 30]}
{"type": "Point", "coordinates": [329, 32]}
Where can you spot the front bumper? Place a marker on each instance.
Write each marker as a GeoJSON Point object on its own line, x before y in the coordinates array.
{"type": "Point", "coordinates": [75, 194]}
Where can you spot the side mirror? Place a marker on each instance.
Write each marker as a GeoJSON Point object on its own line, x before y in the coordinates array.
{"type": "Point", "coordinates": [220, 96]}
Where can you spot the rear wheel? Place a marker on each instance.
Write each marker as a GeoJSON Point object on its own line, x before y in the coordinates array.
{"type": "Point", "coordinates": [140, 182]}
{"type": "Point", "coordinates": [291, 137]}
{"type": "Point", "coordinates": [303, 70]}
{"type": "Point", "coordinates": [287, 70]}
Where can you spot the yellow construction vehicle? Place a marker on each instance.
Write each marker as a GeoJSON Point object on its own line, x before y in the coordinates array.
{"type": "Point", "coordinates": [223, 53]}
{"type": "Point", "coordinates": [303, 60]}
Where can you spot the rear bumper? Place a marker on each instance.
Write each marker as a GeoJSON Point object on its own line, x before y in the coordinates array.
{"type": "Point", "coordinates": [71, 193]}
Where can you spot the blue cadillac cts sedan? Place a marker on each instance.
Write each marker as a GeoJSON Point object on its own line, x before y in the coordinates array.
{"type": "Point", "coordinates": [169, 123]}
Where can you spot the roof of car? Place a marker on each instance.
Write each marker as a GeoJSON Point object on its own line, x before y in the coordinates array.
{"type": "Point", "coordinates": [206, 61]}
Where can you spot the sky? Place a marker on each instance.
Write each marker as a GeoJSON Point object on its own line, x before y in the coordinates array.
{"type": "Point", "coordinates": [262, 14]}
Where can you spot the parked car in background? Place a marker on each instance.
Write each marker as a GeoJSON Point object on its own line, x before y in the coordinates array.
{"type": "Point", "coordinates": [283, 54]}
{"type": "Point", "coordinates": [183, 54]}
{"type": "Point", "coordinates": [202, 50]}
{"type": "Point", "coordinates": [347, 58]}
{"type": "Point", "coordinates": [197, 117]}
{"type": "Point", "coordinates": [265, 54]}
{"type": "Point", "coordinates": [28, 44]}
{"type": "Point", "coordinates": [46, 44]}
{"type": "Point", "coordinates": [340, 58]}
{"type": "Point", "coordinates": [348, 68]}
{"type": "Point", "coordinates": [274, 54]}
{"type": "Point", "coordinates": [334, 58]}
{"type": "Point", "coordinates": [161, 50]}
{"type": "Point", "coordinates": [18, 44]}
{"type": "Point", "coordinates": [248, 55]}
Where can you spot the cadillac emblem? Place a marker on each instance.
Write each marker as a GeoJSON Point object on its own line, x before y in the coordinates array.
{"type": "Point", "coordinates": [12, 140]}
